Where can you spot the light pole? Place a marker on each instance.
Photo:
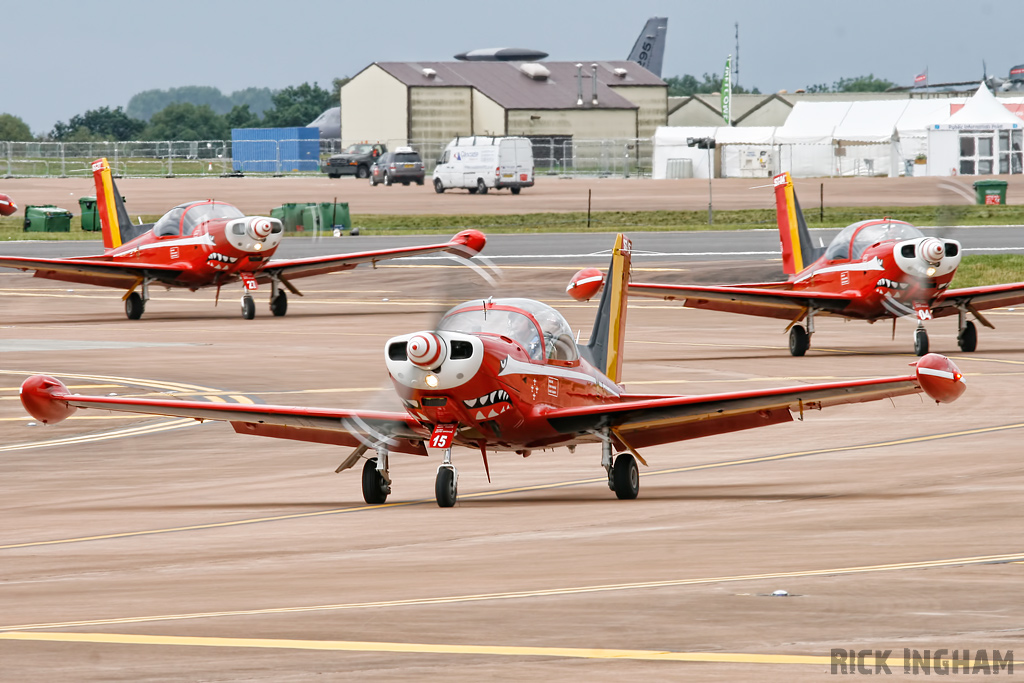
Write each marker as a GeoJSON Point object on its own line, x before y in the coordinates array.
{"type": "Point", "coordinates": [708, 144]}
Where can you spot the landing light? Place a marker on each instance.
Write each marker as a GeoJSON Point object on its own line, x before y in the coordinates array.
{"type": "Point", "coordinates": [430, 380]}
{"type": "Point", "coordinates": [259, 245]}
{"type": "Point", "coordinates": [930, 271]}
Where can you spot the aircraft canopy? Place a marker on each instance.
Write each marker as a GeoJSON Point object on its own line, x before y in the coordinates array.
{"type": "Point", "coordinates": [852, 240]}
{"type": "Point", "coordinates": [524, 320]}
{"type": "Point", "coordinates": [184, 218]}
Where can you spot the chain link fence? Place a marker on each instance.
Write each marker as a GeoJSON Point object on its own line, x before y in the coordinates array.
{"type": "Point", "coordinates": [554, 155]}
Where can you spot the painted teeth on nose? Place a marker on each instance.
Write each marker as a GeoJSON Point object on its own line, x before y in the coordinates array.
{"type": "Point", "coordinates": [471, 403]}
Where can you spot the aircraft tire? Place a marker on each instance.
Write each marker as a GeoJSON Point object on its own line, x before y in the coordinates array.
{"type": "Point", "coordinates": [968, 338]}
{"type": "Point", "coordinates": [375, 487]}
{"type": "Point", "coordinates": [134, 306]}
{"type": "Point", "coordinates": [799, 340]}
{"type": "Point", "coordinates": [515, 190]}
{"type": "Point", "coordinates": [446, 488]}
{"type": "Point", "coordinates": [481, 186]}
{"type": "Point", "coordinates": [438, 186]}
{"type": "Point", "coordinates": [279, 304]}
{"type": "Point", "coordinates": [626, 477]}
{"type": "Point", "coordinates": [920, 341]}
{"type": "Point", "coordinates": [248, 307]}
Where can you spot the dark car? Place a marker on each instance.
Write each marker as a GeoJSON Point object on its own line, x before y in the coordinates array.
{"type": "Point", "coordinates": [355, 160]}
{"type": "Point", "coordinates": [404, 165]}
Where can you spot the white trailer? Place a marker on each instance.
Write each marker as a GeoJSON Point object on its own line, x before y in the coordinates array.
{"type": "Point", "coordinates": [479, 163]}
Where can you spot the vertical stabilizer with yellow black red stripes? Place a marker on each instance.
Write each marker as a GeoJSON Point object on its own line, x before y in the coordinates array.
{"type": "Point", "coordinates": [113, 216]}
{"type": "Point", "coordinates": [798, 251]}
{"type": "Point", "coordinates": [604, 350]}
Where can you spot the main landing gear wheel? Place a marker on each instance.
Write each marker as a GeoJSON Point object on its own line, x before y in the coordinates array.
{"type": "Point", "coordinates": [968, 338]}
{"type": "Point", "coordinates": [375, 486]}
{"type": "Point", "coordinates": [248, 307]}
{"type": "Point", "coordinates": [446, 489]}
{"type": "Point", "coordinates": [481, 186]}
{"type": "Point", "coordinates": [799, 340]}
{"type": "Point", "coordinates": [920, 341]}
{"type": "Point", "coordinates": [626, 477]}
{"type": "Point", "coordinates": [438, 186]}
{"type": "Point", "coordinates": [279, 304]}
{"type": "Point", "coordinates": [134, 306]}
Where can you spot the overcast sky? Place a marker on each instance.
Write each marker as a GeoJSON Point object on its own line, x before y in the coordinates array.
{"type": "Point", "coordinates": [64, 57]}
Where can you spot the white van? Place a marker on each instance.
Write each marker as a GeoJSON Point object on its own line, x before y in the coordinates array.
{"type": "Point", "coordinates": [480, 162]}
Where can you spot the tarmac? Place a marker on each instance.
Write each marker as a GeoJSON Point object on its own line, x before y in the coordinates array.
{"type": "Point", "coordinates": [158, 549]}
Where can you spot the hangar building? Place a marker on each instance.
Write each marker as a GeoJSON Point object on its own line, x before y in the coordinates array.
{"type": "Point", "coordinates": [410, 102]}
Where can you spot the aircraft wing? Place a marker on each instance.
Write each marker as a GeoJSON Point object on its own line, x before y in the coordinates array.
{"type": "Point", "coordinates": [979, 298]}
{"type": "Point", "coordinates": [650, 421]}
{"type": "Point", "coordinates": [466, 244]}
{"type": "Point", "coordinates": [760, 301]}
{"type": "Point", "coordinates": [49, 401]}
{"type": "Point", "coordinates": [90, 271]}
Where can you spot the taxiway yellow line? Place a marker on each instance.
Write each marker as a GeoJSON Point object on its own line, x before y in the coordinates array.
{"type": "Point", "coordinates": [501, 492]}
{"type": "Point", "coordinates": [542, 593]}
{"type": "Point", "coordinates": [422, 648]}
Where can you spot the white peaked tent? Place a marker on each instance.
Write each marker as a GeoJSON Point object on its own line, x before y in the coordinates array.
{"type": "Point", "coordinates": [975, 127]}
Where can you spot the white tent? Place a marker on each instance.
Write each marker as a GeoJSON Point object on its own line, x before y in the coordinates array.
{"type": "Point", "coordinates": [744, 151]}
{"type": "Point", "coordinates": [982, 138]}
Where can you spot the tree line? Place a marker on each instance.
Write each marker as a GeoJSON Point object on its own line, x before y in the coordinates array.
{"type": "Point", "coordinates": [687, 85]}
{"type": "Point", "coordinates": [187, 113]}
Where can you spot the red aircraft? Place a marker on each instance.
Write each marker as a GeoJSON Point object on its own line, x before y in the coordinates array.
{"type": "Point", "coordinates": [203, 244]}
{"type": "Point", "coordinates": [873, 270]}
{"type": "Point", "coordinates": [507, 375]}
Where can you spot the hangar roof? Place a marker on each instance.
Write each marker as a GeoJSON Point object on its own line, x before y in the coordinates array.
{"type": "Point", "coordinates": [510, 87]}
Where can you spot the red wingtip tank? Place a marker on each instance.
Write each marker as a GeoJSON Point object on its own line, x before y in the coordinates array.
{"type": "Point", "coordinates": [585, 284]}
{"type": "Point", "coordinates": [41, 394]}
{"type": "Point", "coordinates": [7, 205]}
{"type": "Point", "coordinates": [472, 240]}
{"type": "Point", "coordinates": [940, 378]}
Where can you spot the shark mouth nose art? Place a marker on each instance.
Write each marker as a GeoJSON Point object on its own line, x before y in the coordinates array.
{"type": "Point", "coordinates": [489, 405]}
{"type": "Point", "coordinates": [220, 261]}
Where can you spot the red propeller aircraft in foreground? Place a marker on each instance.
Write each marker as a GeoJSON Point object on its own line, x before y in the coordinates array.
{"type": "Point", "coordinates": [873, 270]}
{"type": "Point", "coordinates": [204, 244]}
{"type": "Point", "coordinates": [506, 375]}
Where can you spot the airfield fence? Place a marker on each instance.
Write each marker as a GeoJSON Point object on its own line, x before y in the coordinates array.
{"type": "Point", "coordinates": [558, 155]}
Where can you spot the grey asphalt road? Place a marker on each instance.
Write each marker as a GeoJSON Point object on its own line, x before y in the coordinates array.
{"type": "Point", "coordinates": [580, 248]}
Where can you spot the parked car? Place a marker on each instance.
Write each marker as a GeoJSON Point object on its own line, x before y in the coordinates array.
{"type": "Point", "coordinates": [355, 160]}
{"type": "Point", "coordinates": [479, 163]}
{"type": "Point", "coordinates": [404, 165]}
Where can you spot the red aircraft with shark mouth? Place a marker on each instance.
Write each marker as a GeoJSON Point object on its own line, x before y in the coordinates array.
{"type": "Point", "coordinates": [507, 375]}
{"type": "Point", "coordinates": [873, 270]}
{"type": "Point", "coordinates": [204, 244]}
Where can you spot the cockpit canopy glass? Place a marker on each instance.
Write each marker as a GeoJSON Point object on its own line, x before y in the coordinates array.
{"type": "Point", "coordinates": [171, 223]}
{"type": "Point", "coordinates": [512, 318]}
{"type": "Point", "coordinates": [852, 240]}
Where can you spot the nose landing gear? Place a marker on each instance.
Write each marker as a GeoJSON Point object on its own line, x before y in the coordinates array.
{"type": "Point", "coordinates": [446, 488]}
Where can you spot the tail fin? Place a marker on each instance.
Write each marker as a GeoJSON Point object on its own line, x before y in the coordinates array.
{"type": "Point", "coordinates": [604, 350]}
{"type": "Point", "coordinates": [798, 251]}
{"type": "Point", "coordinates": [117, 227]}
{"type": "Point", "coordinates": [650, 45]}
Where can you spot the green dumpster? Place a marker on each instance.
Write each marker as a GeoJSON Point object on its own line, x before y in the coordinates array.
{"type": "Point", "coordinates": [47, 218]}
{"type": "Point", "coordinates": [90, 217]}
{"type": "Point", "coordinates": [290, 215]}
{"type": "Point", "coordinates": [990, 191]}
{"type": "Point", "coordinates": [334, 214]}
